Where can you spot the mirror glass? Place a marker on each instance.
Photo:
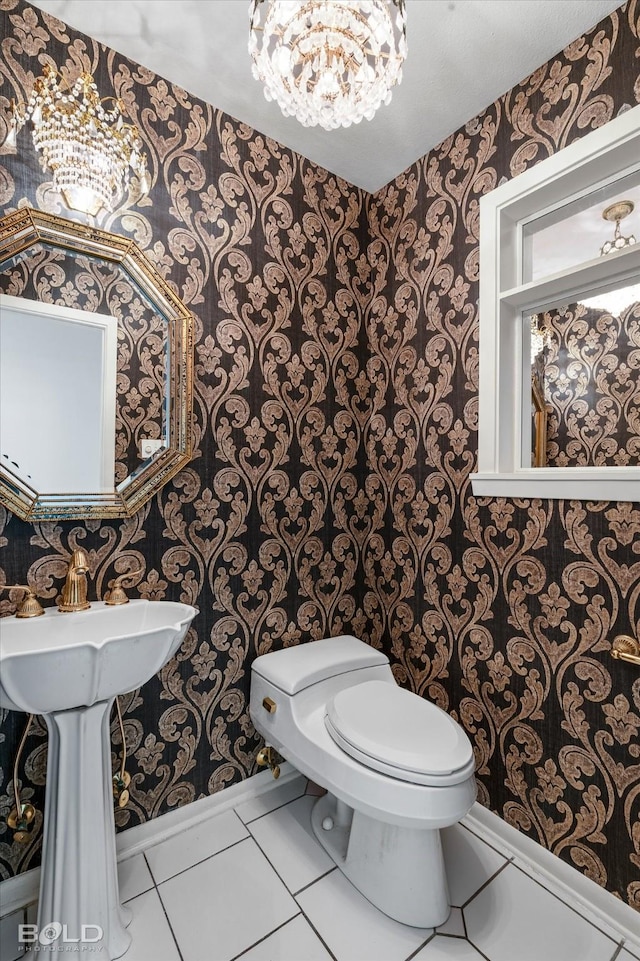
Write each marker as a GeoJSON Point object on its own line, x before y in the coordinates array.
{"type": "Point", "coordinates": [574, 233]}
{"type": "Point", "coordinates": [585, 376]}
{"type": "Point", "coordinates": [70, 382]}
{"type": "Point", "coordinates": [95, 370]}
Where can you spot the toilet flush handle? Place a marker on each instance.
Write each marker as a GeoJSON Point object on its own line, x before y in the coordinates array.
{"type": "Point", "coordinates": [269, 705]}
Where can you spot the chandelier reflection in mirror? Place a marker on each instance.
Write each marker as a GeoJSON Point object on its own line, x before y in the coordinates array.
{"type": "Point", "coordinates": [328, 62]}
{"type": "Point", "coordinates": [83, 139]}
{"type": "Point", "coordinates": [539, 337]}
{"type": "Point", "coordinates": [614, 214]}
{"type": "Point", "coordinates": [616, 301]}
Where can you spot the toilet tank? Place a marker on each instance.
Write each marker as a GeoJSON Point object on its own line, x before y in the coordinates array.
{"type": "Point", "coordinates": [289, 690]}
{"type": "Point", "coordinates": [296, 668]}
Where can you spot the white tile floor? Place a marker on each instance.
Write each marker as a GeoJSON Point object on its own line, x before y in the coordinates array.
{"type": "Point", "coordinates": [253, 884]}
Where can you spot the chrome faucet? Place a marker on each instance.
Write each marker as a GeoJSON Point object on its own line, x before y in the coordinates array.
{"type": "Point", "coordinates": [74, 592]}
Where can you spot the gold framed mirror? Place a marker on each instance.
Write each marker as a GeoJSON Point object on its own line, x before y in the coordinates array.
{"type": "Point", "coordinates": [58, 272]}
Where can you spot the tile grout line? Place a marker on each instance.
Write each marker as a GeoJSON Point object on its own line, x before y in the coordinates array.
{"type": "Point", "coordinates": [228, 848]}
{"type": "Point", "coordinates": [272, 866]}
{"type": "Point", "coordinates": [195, 864]}
{"type": "Point", "coordinates": [619, 941]}
{"type": "Point", "coordinates": [469, 941]}
{"type": "Point", "coordinates": [482, 887]}
{"type": "Point", "coordinates": [153, 880]}
{"type": "Point", "coordinates": [451, 937]}
{"type": "Point", "coordinates": [331, 871]}
{"type": "Point", "coordinates": [266, 813]}
{"type": "Point", "coordinates": [264, 938]}
{"type": "Point", "coordinates": [617, 944]}
{"type": "Point", "coordinates": [146, 890]}
{"type": "Point", "coordinates": [291, 895]}
{"type": "Point", "coordinates": [421, 946]}
{"type": "Point", "coordinates": [464, 925]}
{"type": "Point", "coordinates": [317, 934]}
{"type": "Point", "coordinates": [445, 934]}
{"type": "Point", "coordinates": [286, 886]}
{"type": "Point", "coordinates": [251, 837]}
{"type": "Point", "coordinates": [175, 940]}
{"type": "Point", "coordinates": [476, 948]}
{"type": "Point", "coordinates": [306, 887]}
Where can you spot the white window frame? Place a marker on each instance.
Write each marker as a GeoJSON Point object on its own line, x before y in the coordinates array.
{"type": "Point", "coordinates": [603, 156]}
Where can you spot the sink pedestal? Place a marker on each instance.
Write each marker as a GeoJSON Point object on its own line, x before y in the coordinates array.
{"type": "Point", "coordinates": [69, 668]}
{"type": "Point", "coordinates": [78, 882]}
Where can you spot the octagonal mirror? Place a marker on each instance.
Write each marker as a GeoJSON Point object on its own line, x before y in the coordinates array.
{"type": "Point", "coordinates": [96, 371]}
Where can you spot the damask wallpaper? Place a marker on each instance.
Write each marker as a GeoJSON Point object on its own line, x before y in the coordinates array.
{"type": "Point", "coordinates": [336, 414]}
{"type": "Point", "coordinates": [591, 371]}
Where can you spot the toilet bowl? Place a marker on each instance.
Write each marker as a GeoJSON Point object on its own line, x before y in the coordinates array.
{"type": "Point", "coordinates": [396, 768]}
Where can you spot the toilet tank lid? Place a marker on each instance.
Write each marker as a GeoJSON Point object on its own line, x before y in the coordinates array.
{"type": "Point", "coordinates": [295, 668]}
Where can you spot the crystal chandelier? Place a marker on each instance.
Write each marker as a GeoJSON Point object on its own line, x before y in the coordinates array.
{"type": "Point", "coordinates": [538, 338]}
{"type": "Point", "coordinates": [88, 146]}
{"type": "Point", "coordinates": [328, 62]}
{"type": "Point", "coordinates": [615, 213]}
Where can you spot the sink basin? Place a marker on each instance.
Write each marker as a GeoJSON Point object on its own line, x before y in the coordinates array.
{"type": "Point", "coordinates": [69, 668]}
{"type": "Point", "coordinates": [57, 662]}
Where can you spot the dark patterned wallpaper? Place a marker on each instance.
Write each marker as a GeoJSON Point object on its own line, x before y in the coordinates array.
{"type": "Point", "coordinates": [502, 611]}
{"type": "Point", "coordinates": [591, 371]}
{"type": "Point", "coordinates": [336, 410]}
{"type": "Point", "coordinates": [263, 531]}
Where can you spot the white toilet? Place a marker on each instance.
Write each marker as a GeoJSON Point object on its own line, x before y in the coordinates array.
{"type": "Point", "coordinates": [396, 768]}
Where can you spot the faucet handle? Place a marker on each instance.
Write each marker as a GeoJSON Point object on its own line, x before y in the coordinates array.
{"type": "Point", "coordinates": [29, 606]}
{"type": "Point", "coordinates": [117, 595]}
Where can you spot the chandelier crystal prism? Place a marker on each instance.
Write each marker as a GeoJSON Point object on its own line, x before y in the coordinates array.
{"type": "Point", "coordinates": [328, 63]}
{"type": "Point", "coordinates": [87, 145]}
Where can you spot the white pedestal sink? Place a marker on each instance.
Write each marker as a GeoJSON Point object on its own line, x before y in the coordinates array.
{"type": "Point", "coordinates": [69, 668]}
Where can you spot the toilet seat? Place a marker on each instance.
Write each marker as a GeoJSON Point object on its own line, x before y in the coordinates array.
{"type": "Point", "coordinates": [396, 732]}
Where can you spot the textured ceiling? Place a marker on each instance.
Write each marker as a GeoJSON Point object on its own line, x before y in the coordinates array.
{"type": "Point", "coordinates": [463, 54]}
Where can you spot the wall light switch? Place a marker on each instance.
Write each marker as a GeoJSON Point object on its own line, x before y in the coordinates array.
{"type": "Point", "coordinates": [148, 447]}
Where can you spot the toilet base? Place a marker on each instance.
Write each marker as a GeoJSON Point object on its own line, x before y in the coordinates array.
{"type": "Point", "coordinates": [399, 870]}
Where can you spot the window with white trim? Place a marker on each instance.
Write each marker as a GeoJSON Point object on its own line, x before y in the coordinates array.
{"type": "Point", "coordinates": [541, 260]}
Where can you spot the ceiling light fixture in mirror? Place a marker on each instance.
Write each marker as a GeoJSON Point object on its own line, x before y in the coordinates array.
{"type": "Point", "coordinates": [83, 139]}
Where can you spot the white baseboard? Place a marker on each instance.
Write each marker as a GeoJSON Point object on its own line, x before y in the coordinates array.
{"type": "Point", "coordinates": [591, 900]}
